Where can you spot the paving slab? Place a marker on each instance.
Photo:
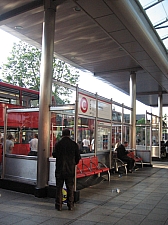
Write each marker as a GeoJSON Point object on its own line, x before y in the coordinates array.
{"type": "Point", "coordinates": [139, 198]}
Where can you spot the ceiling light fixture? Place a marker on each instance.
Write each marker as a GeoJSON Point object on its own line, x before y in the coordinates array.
{"type": "Point", "coordinates": [73, 57]}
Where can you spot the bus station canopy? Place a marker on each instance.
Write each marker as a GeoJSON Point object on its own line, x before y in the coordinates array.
{"type": "Point", "coordinates": [110, 38]}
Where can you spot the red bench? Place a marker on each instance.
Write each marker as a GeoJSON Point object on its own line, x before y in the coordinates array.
{"type": "Point", "coordinates": [87, 167]}
{"type": "Point", "coordinates": [79, 170]}
{"type": "Point", "coordinates": [90, 166]}
{"type": "Point", "coordinates": [99, 166]}
{"type": "Point", "coordinates": [138, 160]}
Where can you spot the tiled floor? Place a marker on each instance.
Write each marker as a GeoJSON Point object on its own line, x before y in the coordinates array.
{"type": "Point", "coordinates": [141, 198]}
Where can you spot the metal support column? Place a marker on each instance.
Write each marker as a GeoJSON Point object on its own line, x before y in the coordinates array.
{"type": "Point", "coordinates": [45, 97]}
{"type": "Point", "coordinates": [111, 137]}
{"type": "Point", "coordinates": [146, 128]}
{"type": "Point", "coordinates": [160, 105]}
{"type": "Point", "coordinates": [76, 128]}
{"type": "Point", "coordinates": [96, 126]}
{"type": "Point", "coordinates": [76, 115]}
{"type": "Point", "coordinates": [122, 126]}
{"type": "Point", "coordinates": [133, 112]}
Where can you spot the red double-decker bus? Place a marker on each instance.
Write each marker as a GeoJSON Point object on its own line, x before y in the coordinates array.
{"type": "Point", "coordinates": [23, 125]}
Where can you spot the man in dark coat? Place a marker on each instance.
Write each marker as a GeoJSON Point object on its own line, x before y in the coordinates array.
{"type": "Point", "coordinates": [122, 154]}
{"type": "Point", "coordinates": [67, 156]}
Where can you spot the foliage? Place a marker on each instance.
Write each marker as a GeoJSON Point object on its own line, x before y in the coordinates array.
{"type": "Point", "coordinates": [66, 73]}
{"type": "Point", "coordinates": [23, 65]}
{"type": "Point", "coordinates": [23, 69]}
{"type": "Point", "coordinates": [164, 119]}
{"type": "Point", "coordinates": [141, 121]}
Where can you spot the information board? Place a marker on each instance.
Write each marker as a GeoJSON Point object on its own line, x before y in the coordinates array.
{"type": "Point", "coordinates": [104, 110]}
{"type": "Point", "coordinates": [87, 105]}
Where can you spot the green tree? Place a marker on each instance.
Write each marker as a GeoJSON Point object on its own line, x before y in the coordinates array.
{"type": "Point", "coordinates": [141, 121]}
{"type": "Point", "coordinates": [23, 69]}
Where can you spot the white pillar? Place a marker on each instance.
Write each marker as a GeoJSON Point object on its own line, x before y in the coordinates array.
{"type": "Point", "coordinates": [160, 106]}
{"type": "Point", "coordinates": [45, 97]}
{"type": "Point", "coordinates": [133, 112]}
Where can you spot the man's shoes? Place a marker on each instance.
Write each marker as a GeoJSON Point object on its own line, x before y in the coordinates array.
{"type": "Point", "coordinates": [130, 171]}
{"type": "Point", "coordinates": [70, 208]}
{"type": "Point", "coordinates": [135, 168]}
{"type": "Point", "coordinates": [59, 208]}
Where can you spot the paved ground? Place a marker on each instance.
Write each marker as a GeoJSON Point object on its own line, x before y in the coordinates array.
{"type": "Point", "coordinates": [141, 198]}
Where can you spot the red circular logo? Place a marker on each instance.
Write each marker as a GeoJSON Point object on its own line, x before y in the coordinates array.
{"type": "Point", "coordinates": [84, 104]}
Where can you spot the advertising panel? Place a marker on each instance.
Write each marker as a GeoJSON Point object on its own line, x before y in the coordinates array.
{"type": "Point", "coordinates": [103, 136]}
{"type": "Point", "coordinates": [104, 110]}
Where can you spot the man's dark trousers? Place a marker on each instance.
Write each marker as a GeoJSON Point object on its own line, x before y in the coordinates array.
{"type": "Point", "coordinates": [130, 162]}
{"type": "Point", "coordinates": [69, 182]}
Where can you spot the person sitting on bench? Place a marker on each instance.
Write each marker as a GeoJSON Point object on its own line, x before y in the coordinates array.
{"type": "Point", "coordinates": [122, 154]}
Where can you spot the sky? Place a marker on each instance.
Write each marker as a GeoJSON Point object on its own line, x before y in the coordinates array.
{"type": "Point", "coordinates": [87, 81]}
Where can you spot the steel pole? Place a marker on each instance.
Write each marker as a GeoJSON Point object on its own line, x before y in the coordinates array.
{"type": "Point", "coordinates": [160, 106]}
{"type": "Point", "coordinates": [45, 97]}
{"type": "Point", "coordinates": [133, 106]}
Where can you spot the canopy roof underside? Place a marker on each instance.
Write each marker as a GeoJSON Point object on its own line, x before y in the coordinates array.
{"type": "Point", "coordinates": [106, 37]}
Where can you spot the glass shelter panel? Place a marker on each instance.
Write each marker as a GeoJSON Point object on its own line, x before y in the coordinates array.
{"type": "Point", "coordinates": [165, 129]}
{"type": "Point", "coordinates": [155, 136]}
{"type": "Point", "coordinates": [86, 135]}
{"type": "Point", "coordinates": [116, 113]}
{"type": "Point", "coordinates": [58, 123]}
{"type": "Point", "coordinates": [156, 142]}
{"type": "Point", "coordinates": [126, 133]}
{"type": "Point", "coordinates": [103, 137]}
{"type": "Point", "coordinates": [126, 116]}
{"type": "Point", "coordinates": [142, 136]}
{"type": "Point", "coordinates": [116, 135]}
{"type": "Point", "coordinates": [147, 137]}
